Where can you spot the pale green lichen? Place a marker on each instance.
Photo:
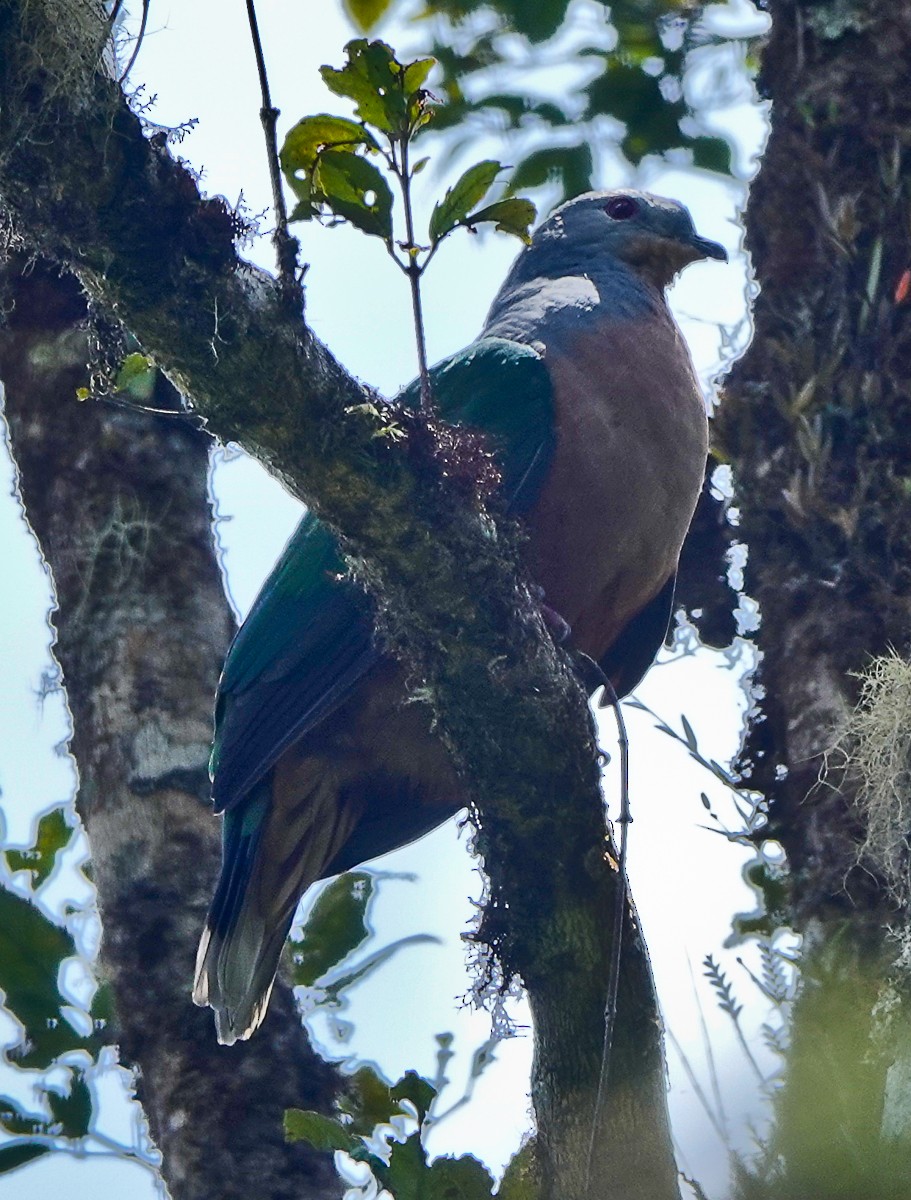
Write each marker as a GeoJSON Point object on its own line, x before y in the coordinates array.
{"type": "Point", "coordinates": [876, 744]}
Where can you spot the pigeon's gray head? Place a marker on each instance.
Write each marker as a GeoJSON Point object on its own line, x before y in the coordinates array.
{"type": "Point", "coordinates": [654, 236]}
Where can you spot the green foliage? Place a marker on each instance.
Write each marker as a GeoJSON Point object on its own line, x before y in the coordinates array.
{"type": "Point", "coordinates": [72, 1112]}
{"type": "Point", "coordinates": [33, 948]}
{"type": "Point", "coordinates": [326, 159]}
{"type": "Point", "coordinates": [469, 190]}
{"type": "Point", "coordinates": [641, 52]}
{"type": "Point", "coordinates": [387, 94]}
{"type": "Point", "coordinates": [366, 13]}
{"type": "Point", "coordinates": [20, 1153]}
{"type": "Point", "coordinates": [572, 166]}
{"type": "Point", "coordinates": [404, 1170]}
{"type": "Point", "coordinates": [771, 883]}
{"type": "Point", "coordinates": [323, 1133]}
{"type": "Point", "coordinates": [31, 951]}
{"type": "Point", "coordinates": [357, 192]}
{"type": "Point", "coordinates": [136, 377]}
{"type": "Point", "coordinates": [53, 834]}
{"type": "Point", "coordinates": [326, 162]}
{"type": "Point", "coordinates": [336, 926]}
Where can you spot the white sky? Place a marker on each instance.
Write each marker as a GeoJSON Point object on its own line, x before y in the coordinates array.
{"type": "Point", "coordinates": [685, 877]}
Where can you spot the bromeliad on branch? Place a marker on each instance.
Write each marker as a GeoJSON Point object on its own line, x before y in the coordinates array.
{"type": "Point", "coordinates": [584, 385]}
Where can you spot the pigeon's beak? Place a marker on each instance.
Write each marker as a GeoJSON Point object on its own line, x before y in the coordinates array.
{"type": "Point", "coordinates": [707, 249]}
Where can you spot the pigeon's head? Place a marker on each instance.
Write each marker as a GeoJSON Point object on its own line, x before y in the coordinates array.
{"type": "Point", "coordinates": [654, 236]}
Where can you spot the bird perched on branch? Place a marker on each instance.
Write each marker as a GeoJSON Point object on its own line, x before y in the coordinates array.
{"type": "Point", "coordinates": [585, 386]}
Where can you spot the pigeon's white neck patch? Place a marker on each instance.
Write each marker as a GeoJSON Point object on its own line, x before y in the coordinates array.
{"type": "Point", "coordinates": [554, 311]}
{"type": "Point", "coordinates": [538, 309]}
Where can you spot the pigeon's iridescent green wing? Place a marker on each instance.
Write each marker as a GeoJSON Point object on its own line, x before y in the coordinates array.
{"type": "Point", "coordinates": [502, 388]}
{"type": "Point", "coordinates": [309, 637]}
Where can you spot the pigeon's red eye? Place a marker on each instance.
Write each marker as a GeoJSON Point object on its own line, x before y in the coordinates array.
{"type": "Point", "coordinates": [621, 208]}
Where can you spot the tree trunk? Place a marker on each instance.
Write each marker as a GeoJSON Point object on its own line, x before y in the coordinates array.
{"type": "Point", "coordinates": [119, 504]}
{"type": "Point", "coordinates": [815, 423]}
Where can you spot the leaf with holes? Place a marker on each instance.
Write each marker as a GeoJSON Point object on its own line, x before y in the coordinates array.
{"type": "Point", "coordinates": [356, 190]}
{"type": "Point", "coordinates": [309, 138]}
{"type": "Point", "coordinates": [373, 79]}
{"type": "Point", "coordinates": [31, 951]}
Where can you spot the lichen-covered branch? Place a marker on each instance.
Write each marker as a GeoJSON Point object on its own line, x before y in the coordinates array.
{"type": "Point", "coordinates": [83, 185]}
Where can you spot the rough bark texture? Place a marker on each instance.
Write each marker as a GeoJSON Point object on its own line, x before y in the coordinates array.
{"type": "Point", "coordinates": [815, 422]}
{"type": "Point", "coordinates": [119, 504]}
{"type": "Point", "coordinates": [80, 181]}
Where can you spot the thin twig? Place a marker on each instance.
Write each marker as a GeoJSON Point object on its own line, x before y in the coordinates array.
{"type": "Point", "coordinates": [139, 37]}
{"type": "Point", "coordinates": [613, 981]}
{"type": "Point", "coordinates": [414, 272]}
{"type": "Point", "coordinates": [286, 246]}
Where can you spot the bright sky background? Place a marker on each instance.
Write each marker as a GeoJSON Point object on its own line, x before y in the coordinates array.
{"type": "Point", "coordinates": [685, 877]}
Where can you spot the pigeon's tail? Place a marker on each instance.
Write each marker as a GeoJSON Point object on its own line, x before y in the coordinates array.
{"type": "Point", "coordinates": [272, 852]}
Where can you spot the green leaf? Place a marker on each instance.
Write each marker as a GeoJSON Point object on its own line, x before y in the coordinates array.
{"type": "Point", "coordinates": [137, 377]}
{"type": "Point", "coordinates": [572, 165]}
{"type": "Point", "coordinates": [416, 73]}
{"type": "Point", "coordinates": [53, 834]}
{"type": "Point", "coordinates": [356, 190]}
{"type": "Point", "coordinates": [31, 951]}
{"type": "Point", "coordinates": [415, 1088]}
{"type": "Point", "coordinates": [469, 190]}
{"type": "Point", "coordinates": [337, 924]}
{"type": "Point", "coordinates": [19, 1154]}
{"type": "Point", "coordinates": [463, 1178]}
{"type": "Point", "coordinates": [511, 216]}
{"type": "Point", "coordinates": [406, 1174]}
{"type": "Point", "coordinates": [133, 365]}
{"type": "Point", "coordinates": [368, 1101]}
{"type": "Point", "coordinates": [711, 154]}
{"type": "Point", "coordinates": [311, 135]}
{"type": "Point", "coordinates": [73, 1111]}
{"type": "Point", "coordinates": [366, 13]}
{"type": "Point", "coordinates": [323, 1133]}
{"type": "Point", "coordinates": [689, 733]}
{"type": "Point", "coordinates": [15, 1121]}
{"type": "Point", "coordinates": [521, 1179]}
{"type": "Point", "coordinates": [372, 78]}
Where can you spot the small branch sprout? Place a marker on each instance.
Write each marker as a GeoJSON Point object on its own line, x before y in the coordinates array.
{"type": "Point", "coordinates": [327, 162]}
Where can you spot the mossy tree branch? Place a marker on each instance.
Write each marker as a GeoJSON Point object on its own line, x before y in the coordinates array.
{"type": "Point", "coordinates": [84, 186]}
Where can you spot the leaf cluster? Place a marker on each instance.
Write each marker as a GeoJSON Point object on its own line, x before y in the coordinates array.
{"type": "Point", "coordinates": [371, 1106]}
{"type": "Point", "coordinates": [32, 949]}
{"type": "Point", "coordinates": [330, 162]}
